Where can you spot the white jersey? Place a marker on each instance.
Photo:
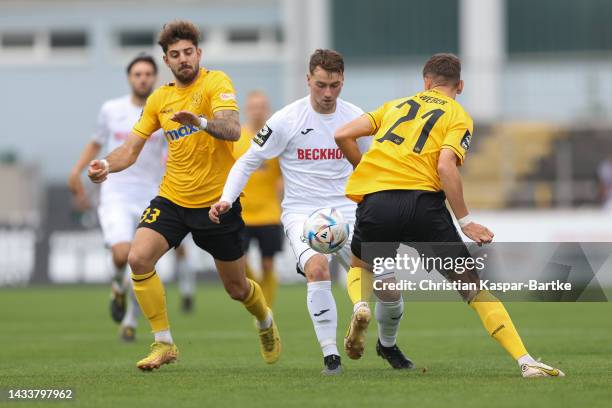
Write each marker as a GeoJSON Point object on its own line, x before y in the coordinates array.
{"type": "Point", "coordinates": [115, 122]}
{"type": "Point", "coordinates": [314, 169]}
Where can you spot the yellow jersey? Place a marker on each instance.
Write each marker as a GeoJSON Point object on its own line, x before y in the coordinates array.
{"type": "Point", "coordinates": [260, 204]}
{"type": "Point", "coordinates": [198, 163]}
{"type": "Point", "coordinates": [408, 136]}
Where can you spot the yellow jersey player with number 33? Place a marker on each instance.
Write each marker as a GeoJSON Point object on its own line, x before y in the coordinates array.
{"type": "Point", "coordinates": [199, 116]}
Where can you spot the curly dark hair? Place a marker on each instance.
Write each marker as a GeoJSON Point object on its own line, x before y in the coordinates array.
{"type": "Point", "coordinates": [177, 30]}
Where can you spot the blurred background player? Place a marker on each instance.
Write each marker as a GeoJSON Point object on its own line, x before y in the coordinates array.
{"type": "Point", "coordinates": [199, 116]}
{"type": "Point", "coordinates": [418, 145]}
{"type": "Point", "coordinates": [186, 277]}
{"type": "Point", "coordinates": [315, 173]}
{"type": "Point", "coordinates": [261, 201]}
{"type": "Point", "coordinates": [126, 195]}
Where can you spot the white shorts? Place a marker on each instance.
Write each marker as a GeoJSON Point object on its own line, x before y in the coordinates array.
{"type": "Point", "coordinates": [119, 215]}
{"type": "Point", "coordinates": [293, 223]}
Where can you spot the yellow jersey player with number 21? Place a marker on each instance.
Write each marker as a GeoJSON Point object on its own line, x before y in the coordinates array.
{"type": "Point", "coordinates": [401, 185]}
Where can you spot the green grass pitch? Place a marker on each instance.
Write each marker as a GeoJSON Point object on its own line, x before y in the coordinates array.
{"type": "Point", "coordinates": [62, 337]}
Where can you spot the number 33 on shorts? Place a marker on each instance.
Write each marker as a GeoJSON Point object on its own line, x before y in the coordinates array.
{"type": "Point", "coordinates": [150, 215]}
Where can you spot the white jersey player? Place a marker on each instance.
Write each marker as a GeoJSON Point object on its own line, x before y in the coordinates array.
{"type": "Point", "coordinates": [315, 172]}
{"type": "Point", "coordinates": [126, 194]}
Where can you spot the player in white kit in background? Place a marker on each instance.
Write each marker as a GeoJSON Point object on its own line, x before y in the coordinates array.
{"type": "Point", "coordinates": [125, 195]}
{"type": "Point", "coordinates": [315, 172]}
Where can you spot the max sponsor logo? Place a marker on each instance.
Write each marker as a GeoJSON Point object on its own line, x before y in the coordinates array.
{"type": "Point", "coordinates": [183, 131]}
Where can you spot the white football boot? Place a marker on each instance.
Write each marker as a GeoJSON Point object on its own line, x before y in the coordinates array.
{"type": "Point", "coordinates": [538, 369]}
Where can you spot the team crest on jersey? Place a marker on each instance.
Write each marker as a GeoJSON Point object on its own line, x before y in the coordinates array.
{"type": "Point", "coordinates": [263, 135]}
{"type": "Point", "coordinates": [196, 99]}
{"type": "Point", "coordinates": [467, 140]}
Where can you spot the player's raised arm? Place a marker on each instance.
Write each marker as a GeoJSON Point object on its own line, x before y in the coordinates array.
{"type": "Point", "coordinates": [346, 138]}
{"type": "Point", "coordinates": [236, 181]}
{"type": "Point", "coordinates": [268, 143]}
{"type": "Point", "coordinates": [453, 188]}
{"type": "Point", "coordinates": [224, 125]}
{"type": "Point", "coordinates": [119, 159]}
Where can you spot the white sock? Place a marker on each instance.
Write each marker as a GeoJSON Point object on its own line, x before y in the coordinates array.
{"type": "Point", "coordinates": [322, 310]}
{"type": "Point", "coordinates": [133, 310]}
{"type": "Point", "coordinates": [266, 323]}
{"type": "Point", "coordinates": [119, 281]}
{"type": "Point", "coordinates": [360, 304]}
{"type": "Point", "coordinates": [164, 336]}
{"type": "Point", "coordinates": [186, 276]}
{"type": "Point", "coordinates": [526, 359]}
{"type": "Point", "coordinates": [388, 316]}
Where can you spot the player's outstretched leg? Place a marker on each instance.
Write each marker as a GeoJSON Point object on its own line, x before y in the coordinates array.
{"type": "Point", "coordinates": [148, 246]}
{"type": "Point", "coordinates": [359, 287]}
{"type": "Point", "coordinates": [498, 324]}
{"type": "Point", "coordinates": [247, 291]}
{"type": "Point", "coordinates": [388, 316]}
{"type": "Point", "coordinates": [322, 310]}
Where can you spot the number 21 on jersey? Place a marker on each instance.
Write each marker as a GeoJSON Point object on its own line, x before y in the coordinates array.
{"type": "Point", "coordinates": [432, 117]}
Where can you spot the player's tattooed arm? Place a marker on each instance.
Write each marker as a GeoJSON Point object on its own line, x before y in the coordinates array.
{"type": "Point", "coordinates": [224, 125]}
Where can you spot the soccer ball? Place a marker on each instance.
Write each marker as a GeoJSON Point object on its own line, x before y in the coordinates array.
{"type": "Point", "coordinates": [326, 231]}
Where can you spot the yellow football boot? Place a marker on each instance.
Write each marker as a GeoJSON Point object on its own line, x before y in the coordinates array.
{"type": "Point", "coordinates": [354, 341]}
{"type": "Point", "coordinates": [161, 353]}
{"type": "Point", "coordinates": [270, 343]}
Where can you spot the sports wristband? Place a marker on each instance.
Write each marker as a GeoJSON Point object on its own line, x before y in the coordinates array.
{"type": "Point", "coordinates": [105, 164]}
{"type": "Point", "coordinates": [465, 221]}
{"type": "Point", "coordinates": [203, 123]}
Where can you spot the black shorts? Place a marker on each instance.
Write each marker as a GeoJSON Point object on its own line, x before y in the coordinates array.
{"type": "Point", "coordinates": [223, 241]}
{"type": "Point", "coordinates": [417, 218]}
{"type": "Point", "coordinates": [269, 238]}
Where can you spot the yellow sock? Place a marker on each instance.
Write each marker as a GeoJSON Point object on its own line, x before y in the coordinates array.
{"type": "Point", "coordinates": [256, 303]}
{"type": "Point", "coordinates": [249, 272]}
{"type": "Point", "coordinates": [359, 284]}
{"type": "Point", "coordinates": [151, 297]}
{"type": "Point", "coordinates": [269, 285]}
{"type": "Point", "coordinates": [498, 323]}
